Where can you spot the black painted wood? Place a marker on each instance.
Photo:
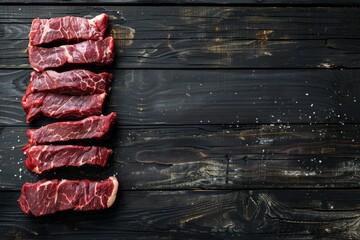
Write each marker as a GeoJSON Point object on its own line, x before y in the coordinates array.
{"type": "Point", "coordinates": [247, 23]}
{"type": "Point", "coordinates": [289, 214]}
{"type": "Point", "coordinates": [206, 37]}
{"type": "Point", "coordinates": [147, 97]}
{"type": "Point", "coordinates": [191, 2]}
{"type": "Point", "coordinates": [220, 108]}
{"type": "Point", "coordinates": [210, 157]}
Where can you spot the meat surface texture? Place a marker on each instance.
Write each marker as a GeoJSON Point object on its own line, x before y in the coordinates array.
{"type": "Point", "coordinates": [74, 82]}
{"type": "Point", "coordinates": [48, 157]}
{"type": "Point", "coordinates": [45, 197]}
{"type": "Point", "coordinates": [94, 127]}
{"type": "Point", "coordinates": [67, 29]}
{"type": "Point", "coordinates": [100, 52]}
{"type": "Point", "coordinates": [62, 106]}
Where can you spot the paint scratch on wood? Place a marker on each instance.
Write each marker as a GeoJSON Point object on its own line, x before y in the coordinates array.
{"type": "Point", "coordinates": [262, 39]}
{"type": "Point", "coordinates": [123, 34]}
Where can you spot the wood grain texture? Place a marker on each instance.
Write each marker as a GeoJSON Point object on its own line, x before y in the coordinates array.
{"type": "Point", "coordinates": [210, 157]}
{"type": "Point", "coordinates": [147, 97]}
{"type": "Point", "coordinates": [191, 2]}
{"type": "Point", "coordinates": [206, 37]}
{"type": "Point", "coordinates": [220, 108]}
{"type": "Point", "coordinates": [159, 23]}
{"type": "Point", "coordinates": [288, 214]}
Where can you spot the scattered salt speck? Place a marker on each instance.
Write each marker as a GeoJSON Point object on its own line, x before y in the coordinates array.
{"type": "Point", "coordinates": [12, 148]}
{"type": "Point", "coordinates": [236, 93]}
{"type": "Point", "coordinates": [200, 121]}
{"type": "Point", "coordinates": [188, 94]}
{"type": "Point", "coordinates": [306, 94]}
{"type": "Point", "coordinates": [18, 140]}
{"type": "Point", "coordinates": [200, 84]}
{"type": "Point", "coordinates": [210, 93]}
{"type": "Point", "coordinates": [19, 9]}
{"type": "Point", "coordinates": [311, 105]}
{"type": "Point", "coordinates": [320, 161]}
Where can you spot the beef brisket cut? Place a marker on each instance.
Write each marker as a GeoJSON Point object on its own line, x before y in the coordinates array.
{"type": "Point", "coordinates": [45, 197]}
{"type": "Point", "coordinates": [100, 52]}
{"type": "Point", "coordinates": [94, 127]}
{"type": "Point", "coordinates": [74, 82]}
{"type": "Point", "coordinates": [67, 29]}
{"type": "Point", "coordinates": [62, 106]}
{"type": "Point", "coordinates": [43, 158]}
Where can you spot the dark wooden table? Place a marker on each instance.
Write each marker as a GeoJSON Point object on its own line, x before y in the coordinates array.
{"type": "Point", "coordinates": [238, 119]}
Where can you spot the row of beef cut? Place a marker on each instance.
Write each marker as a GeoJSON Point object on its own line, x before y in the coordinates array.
{"type": "Point", "coordinates": [72, 94]}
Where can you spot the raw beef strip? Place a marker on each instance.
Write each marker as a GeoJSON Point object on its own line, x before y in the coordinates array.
{"type": "Point", "coordinates": [62, 106]}
{"type": "Point", "coordinates": [94, 127]}
{"type": "Point", "coordinates": [47, 157]}
{"type": "Point", "coordinates": [74, 82]}
{"type": "Point", "coordinates": [67, 29]}
{"type": "Point", "coordinates": [100, 52]}
{"type": "Point", "coordinates": [45, 197]}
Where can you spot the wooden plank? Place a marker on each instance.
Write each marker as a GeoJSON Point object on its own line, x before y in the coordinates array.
{"type": "Point", "coordinates": [221, 23]}
{"type": "Point", "coordinates": [256, 214]}
{"type": "Point", "coordinates": [191, 2]}
{"type": "Point", "coordinates": [210, 157]}
{"type": "Point", "coordinates": [147, 97]}
{"type": "Point", "coordinates": [214, 53]}
{"type": "Point", "coordinates": [211, 37]}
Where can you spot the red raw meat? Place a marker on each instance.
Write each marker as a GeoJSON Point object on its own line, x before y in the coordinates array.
{"type": "Point", "coordinates": [45, 197]}
{"type": "Point", "coordinates": [94, 127]}
{"type": "Point", "coordinates": [62, 106]}
{"type": "Point", "coordinates": [43, 158]}
{"type": "Point", "coordinates": [67, 29]}
{"type": "Point", "coordinates": [74, 82]}
{"type": "Point", "coordinates": [100, 52]}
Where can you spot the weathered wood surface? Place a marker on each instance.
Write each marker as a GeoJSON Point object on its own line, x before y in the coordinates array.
{"type": "Point", "coordinates": [296, 23]}
{"type": "Point", "coordinates": [224, 99]}
{"type": "Point", "coordinates": [284, 214]}
{"type": "Point", "coordinates": [190, 2]}
{"type": "Point", "coordinates": [147, 97]}
{"type": "Point", "coordinates": [206, 37]}
{"type": "Point", "coordinates": [210, 157]}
